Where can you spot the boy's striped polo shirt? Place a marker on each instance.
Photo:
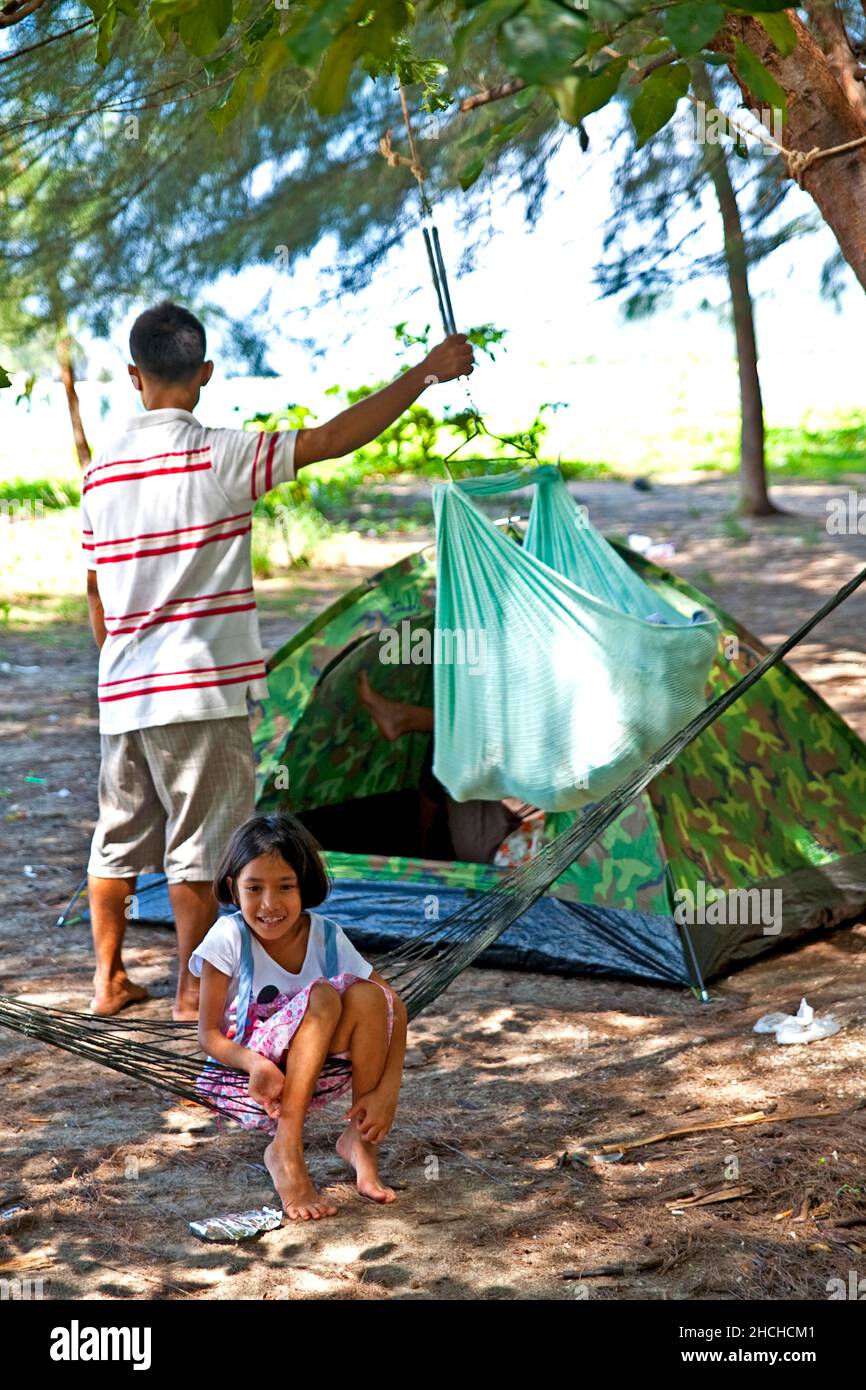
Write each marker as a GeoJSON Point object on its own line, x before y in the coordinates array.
{"type": "Point", "coordinates": [167, 517]}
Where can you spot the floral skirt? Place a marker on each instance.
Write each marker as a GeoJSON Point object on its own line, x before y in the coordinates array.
{"type": "Point", "coordinates": [273, 1027]}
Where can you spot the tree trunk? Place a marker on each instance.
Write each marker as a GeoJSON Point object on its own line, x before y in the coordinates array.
{"type": "Point", "coordinates": [819, 115]}
{"type": "Point", "coordinates": [832, 37]}
{"type": "Point", "coordinates": [67, 376]}
{"type": "Point", "coordinates": [754, 499]}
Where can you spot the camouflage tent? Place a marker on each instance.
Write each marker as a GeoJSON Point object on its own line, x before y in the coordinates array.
{"type": "Point", "coordinates": [751, 838]}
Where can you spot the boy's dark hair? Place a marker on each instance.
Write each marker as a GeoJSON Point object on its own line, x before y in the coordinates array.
{"type": "Point", "coordinates": [168, 342]}
{"type": "Point", "coordinates": [280, 834]}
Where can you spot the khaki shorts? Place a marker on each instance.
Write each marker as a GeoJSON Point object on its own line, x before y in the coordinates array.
{"type": "Point", "coordinates": [170, 797]}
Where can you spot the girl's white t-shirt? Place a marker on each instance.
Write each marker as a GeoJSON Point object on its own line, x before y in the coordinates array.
{"type": "Point", "coordinates": [222, 947]}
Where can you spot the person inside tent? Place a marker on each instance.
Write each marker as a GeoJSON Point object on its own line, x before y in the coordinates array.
{"type": "Point", "coordinates": [504, 833]}
{"type": "Point", "coordinates": [167, 519]}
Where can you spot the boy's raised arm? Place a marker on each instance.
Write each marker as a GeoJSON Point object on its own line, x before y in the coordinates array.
{"type": "Point", "coordinates": [361, 423]}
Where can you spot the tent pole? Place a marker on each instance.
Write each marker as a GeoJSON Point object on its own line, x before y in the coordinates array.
{"type": "Point", "coordinates": [684, 932]}
{"type": "Point", "coordinates": [62, 919]}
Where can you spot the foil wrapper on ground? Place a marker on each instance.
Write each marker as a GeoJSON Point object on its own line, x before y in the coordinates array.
{"type": "Point", "coordinates": [11, 1217]}
{"type": "Point", "coordinates": [238, 1225]}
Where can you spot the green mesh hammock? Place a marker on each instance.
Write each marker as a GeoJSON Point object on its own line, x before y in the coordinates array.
{"type": "Point", "coordinates": [558, 671]}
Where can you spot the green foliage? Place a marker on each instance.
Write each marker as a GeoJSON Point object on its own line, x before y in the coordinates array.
{"type": "Point", "coordinates": [53, 496]}
{"type": "Point", "coordinates": [543, 40]}
{"type": "Point", "coordinates": [781, 31]}
{"type": "Point", "coordinates": [657, 100]}
{"type": "Point", "coordinates": [827, 451]}
{"type": "Point", "coordinates": [5, 379]}
{"type": "Point", "coordinates": [690, 27]}
{"type": "Point", "coordinates": [661, 187]}
{"type": "Point", "coordinates": [578, 95]}
{"type": "Point", "coordinates": [326, 494]}
{"type": "Point", "coordinates": [759, 81]}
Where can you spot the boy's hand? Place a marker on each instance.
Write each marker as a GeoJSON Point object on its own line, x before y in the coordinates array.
{"type": "Point", "coordinates": [266, 1086]}
{"type": "Point", "coordinates": [448, 360]}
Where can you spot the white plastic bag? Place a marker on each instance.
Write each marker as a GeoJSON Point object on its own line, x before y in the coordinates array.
{"type": "Point", "coordinates": [802, 1027]}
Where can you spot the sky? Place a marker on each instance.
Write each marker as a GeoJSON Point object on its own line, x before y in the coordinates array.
{"type": "Point", "coordinates": [620, 382]}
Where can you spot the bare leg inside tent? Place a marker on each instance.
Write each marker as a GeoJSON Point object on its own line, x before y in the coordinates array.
{"type": "Point", "coordinates": [112, 988]}
{"type": "Point", "coordinates": [393, 718]}
{"type": "Point", "coordinates": [195, 910]}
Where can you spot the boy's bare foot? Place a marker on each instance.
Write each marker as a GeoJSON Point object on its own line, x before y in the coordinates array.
{"type": "Point", "coordinates": [364, 1158]}
{"type": "Point", "coordinates": [301, 1201]}
{"type": "Point", "coordinates": [110, 996]}
{"type": "Point", "coordinates": [185, 1007]}
{"type": "Point", "coordinates": [185, 1013]}
{"type": "Point", "coordinates": [386, 714]}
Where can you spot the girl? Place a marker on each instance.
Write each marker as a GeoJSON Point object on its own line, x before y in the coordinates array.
{"type": "Point", "coordinates": [282, 988]}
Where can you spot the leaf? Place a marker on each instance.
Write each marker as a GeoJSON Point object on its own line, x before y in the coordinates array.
{"type": "Point", "coordinates": [577, 97]}
{"type": "Point", "coordinates": [329, 92]}
{"type": "Point", "coordinates": [5, 379]}
{"type": "Point", "coordinates": [104, 31]}
{"type": "Point", "coordinates": [379, 34]}
{"type": "Point", "coordinates": [162, 10]}
{"type": "Point", "coordinates": [309, 41]}
{"type": "Point", "coordinates": [760, 82]}
{"type": "Point", "coordinates": [690, 27]}
{"type": "Point", "coordinates": [271, 56]}
{"type": "Point", "coordinates": [201, 30]}
{"type": "Point", "coordinates": [596, 41]}
{"type": "Point", "coordinates": [760, 6]}
{"type": "Point", "coordinates": [542, 41]}
{"type": "Point", "coordinates": [225, 111]}
{"type": "Point", "coordinates": [781, 31]}
{"type": "Point", "coordinates": [657, 100]}
{"type": "Point", "coordinates": [612, 13]}
{"type": "Point", "coordinates": [488, 14]}
{"type": "Point", "coordinates": [471, 171]}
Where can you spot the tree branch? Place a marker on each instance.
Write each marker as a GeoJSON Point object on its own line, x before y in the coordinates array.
{"type": "Point", "coordinates": [659, 62]}
{"type": "Point", "coordinates": [16, 10]}
{"type": "Point", "coordinates": [52, 38]}
{"type": "Point", "coordinates": [507, 89]}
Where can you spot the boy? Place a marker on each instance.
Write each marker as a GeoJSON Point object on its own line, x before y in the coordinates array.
{"type": "Point", "coordinates": [166, 515]}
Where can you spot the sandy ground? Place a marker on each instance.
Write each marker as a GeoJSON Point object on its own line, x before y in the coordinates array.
{"type": "Point", "coordinates": [508, 1074]}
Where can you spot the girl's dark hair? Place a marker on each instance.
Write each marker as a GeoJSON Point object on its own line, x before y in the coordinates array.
{"type": "Point", "coordinates": [281, 834]}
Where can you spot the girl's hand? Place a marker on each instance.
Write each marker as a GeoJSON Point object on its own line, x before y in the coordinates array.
{"type": "Point", "coordinates": [266, 1086]}
{"type": "Point", "coordinates": [374, 1115]}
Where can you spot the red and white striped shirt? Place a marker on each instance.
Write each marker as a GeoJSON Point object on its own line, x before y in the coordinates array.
{"type": "Point", "coordinates": [167, 516]}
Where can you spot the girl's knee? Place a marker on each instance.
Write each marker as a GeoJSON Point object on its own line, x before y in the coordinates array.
{"type": "Point", "coordinates": [325, 1000]}
{"type": "Point", "coordinates": [365, 995]}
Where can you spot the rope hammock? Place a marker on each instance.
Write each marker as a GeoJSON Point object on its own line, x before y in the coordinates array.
{"type": "Point", "coordinates": [163, 1053]}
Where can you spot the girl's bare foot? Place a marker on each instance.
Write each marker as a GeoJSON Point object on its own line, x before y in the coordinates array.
{"type": "Point", "coordinates": [110, 996]}
{"type": "Point", "coordinates": [364, 1158]}
{"type": "Point", "coordinates": [386, 714]}
{"type": "Point", "coordinates": [301, 1201]}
